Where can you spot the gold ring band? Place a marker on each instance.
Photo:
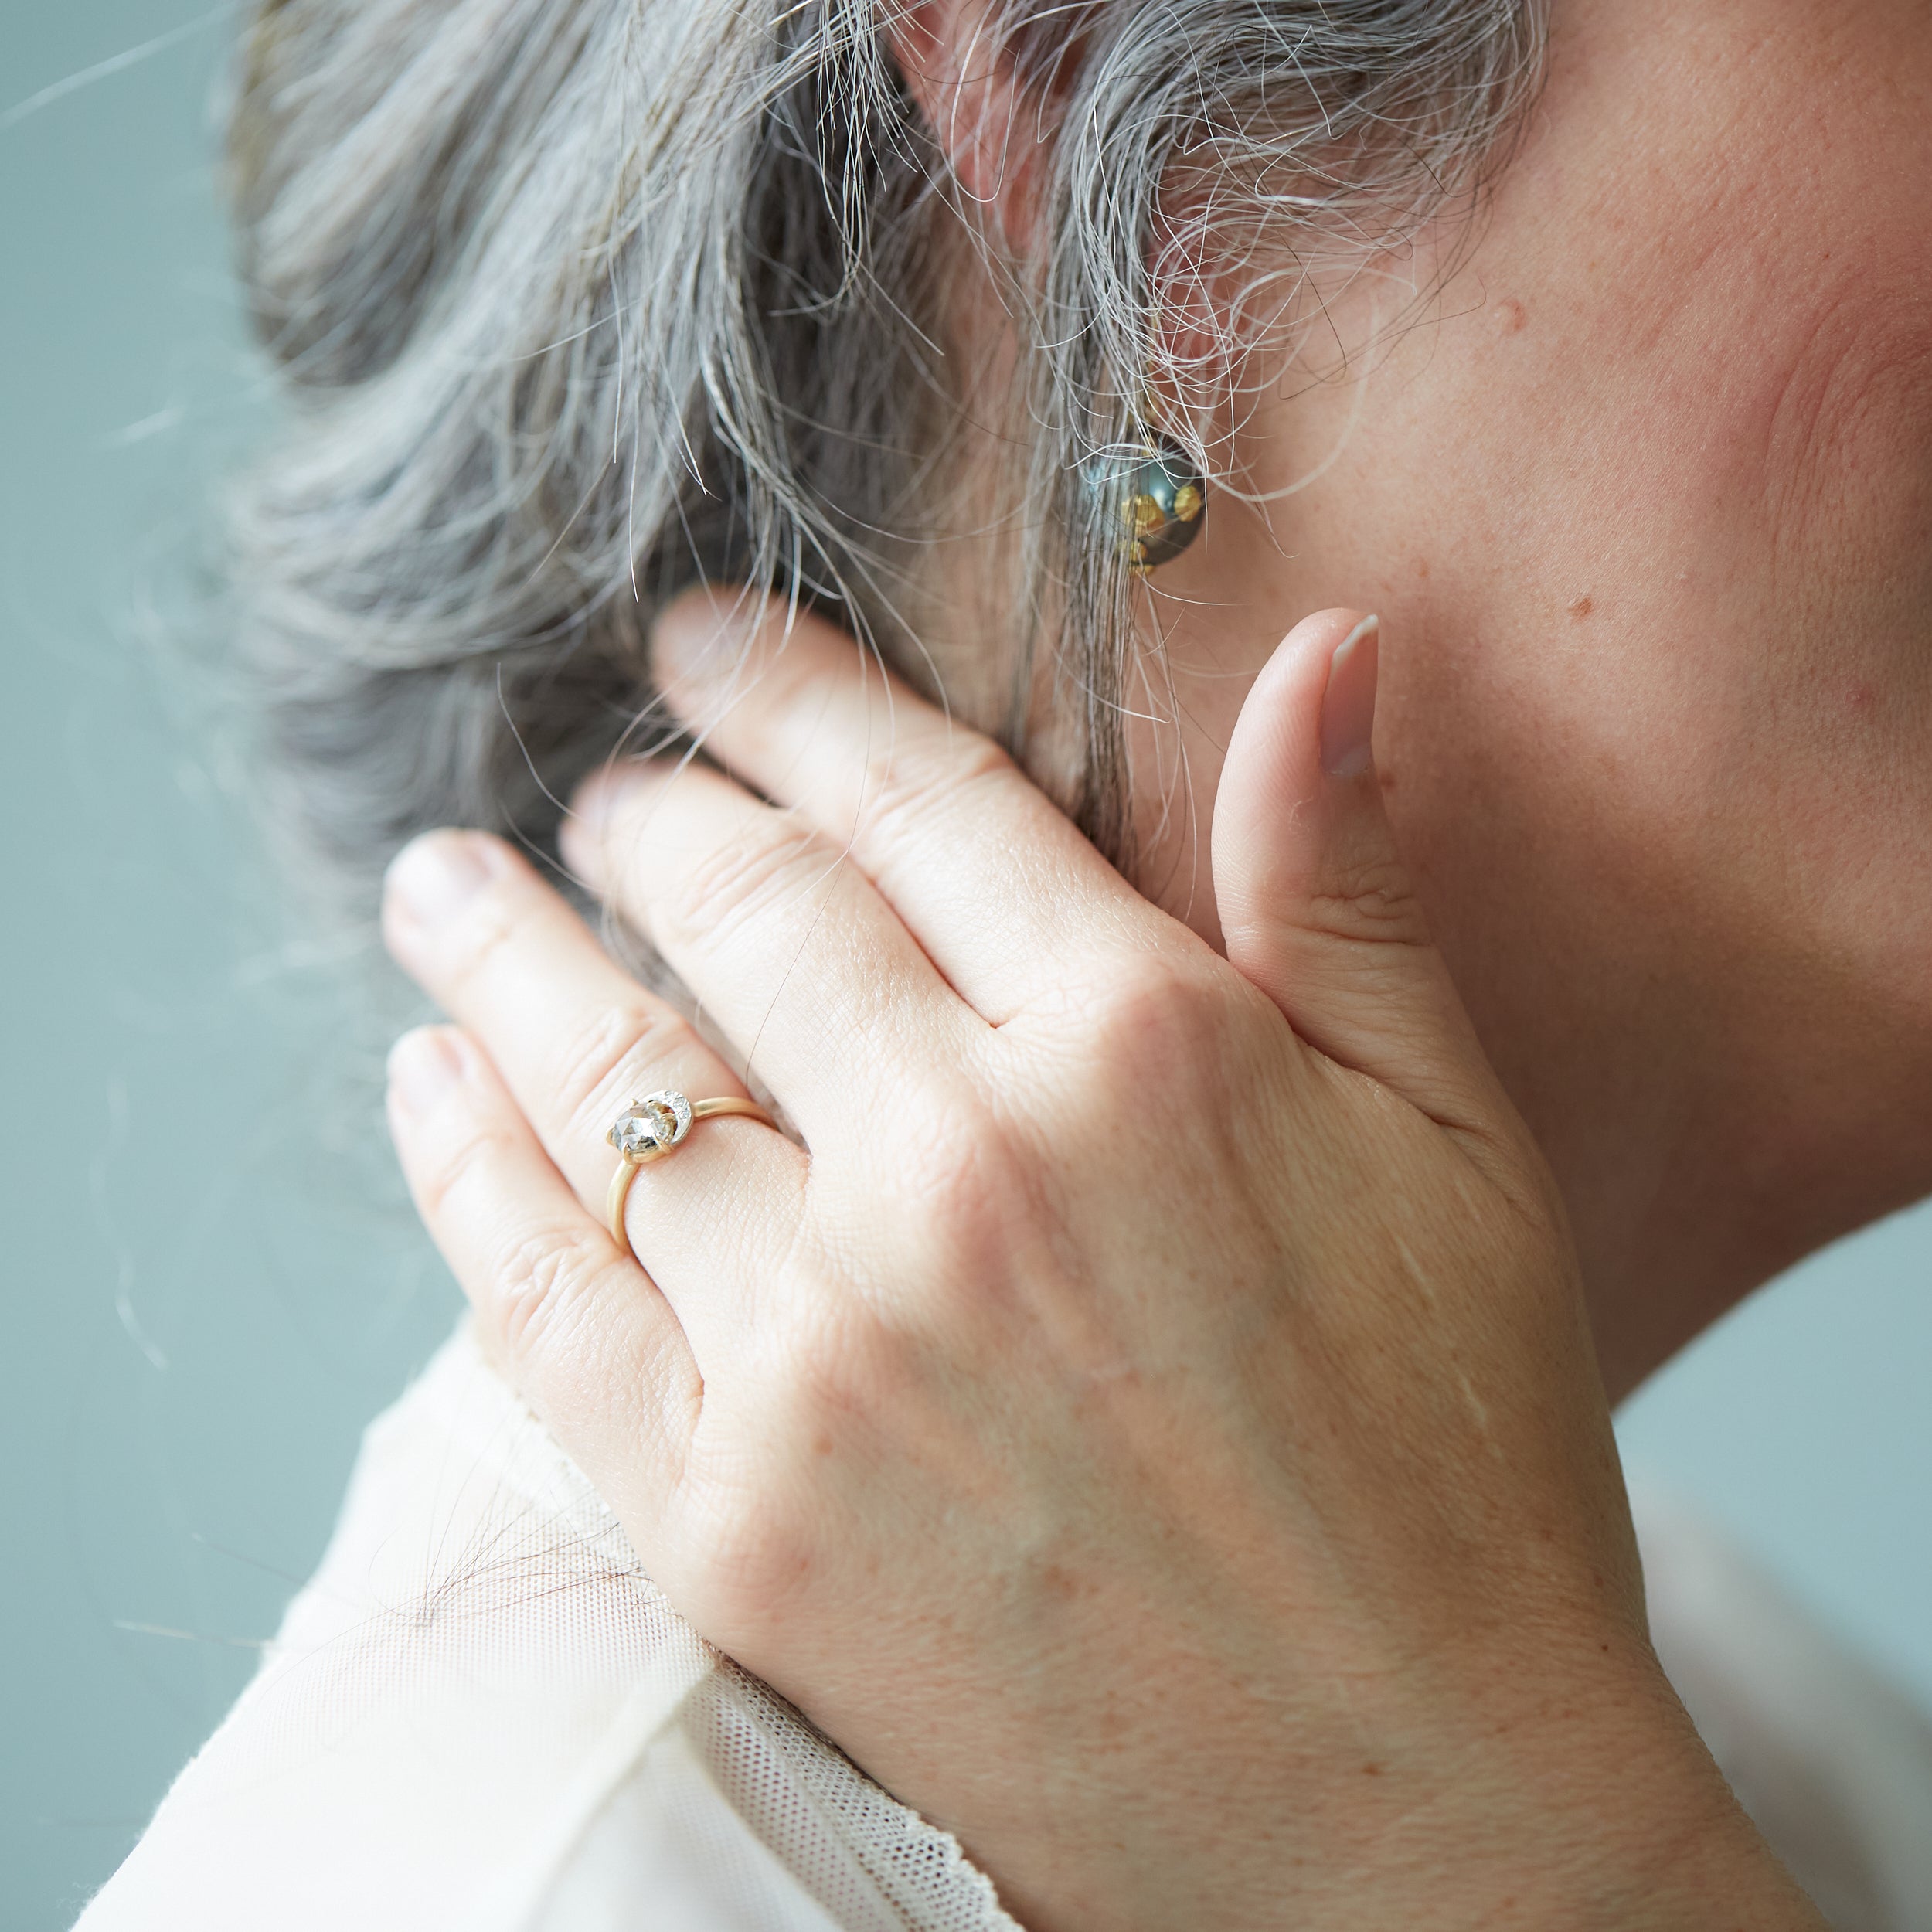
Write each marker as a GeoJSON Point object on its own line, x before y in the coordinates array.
{"type": "Point", "coordinates": [649, 1129]}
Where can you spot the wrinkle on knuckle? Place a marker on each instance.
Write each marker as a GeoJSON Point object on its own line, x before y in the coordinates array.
{"type": "Point", "coordinates": [742, 881]}
{"type": "Point", "coordinates": [623, 1043]}
{"type": "Point", "coordinates": [462, 1160]}
{"type": "Point", "coordinates": [478, 940]}
{"type": "Point", "coordinates": [1374, 902]}
{"type": "Point", "coordinates": [929, 777]}
{"type": "Point", "coordinates": [539, 1278]}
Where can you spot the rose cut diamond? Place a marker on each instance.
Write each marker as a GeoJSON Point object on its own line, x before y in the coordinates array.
{"type": "Point", "coordinates": [650, 1126]}
{"type": "Point", "coordinates": [637, 1136]}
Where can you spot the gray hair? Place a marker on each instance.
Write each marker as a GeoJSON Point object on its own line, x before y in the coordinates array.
{"type": "Point", "coordinates": [577, 302]}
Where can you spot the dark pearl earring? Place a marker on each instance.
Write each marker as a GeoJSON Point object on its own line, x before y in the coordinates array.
{"type": "Point", "coordinates": [1154, 491]}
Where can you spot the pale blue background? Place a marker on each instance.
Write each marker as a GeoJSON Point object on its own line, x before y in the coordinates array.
{"type": "Point", "coordinates": [208, 1285]}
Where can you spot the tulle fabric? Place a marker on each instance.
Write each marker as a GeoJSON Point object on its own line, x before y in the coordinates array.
{"type": "Point", "coordinates": [481, 1714]}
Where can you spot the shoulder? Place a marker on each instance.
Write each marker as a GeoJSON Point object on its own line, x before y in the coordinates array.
{"type": "Point", "coordinates": [480, 1710]}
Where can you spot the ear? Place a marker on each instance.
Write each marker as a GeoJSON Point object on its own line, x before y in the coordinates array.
{"type": "Point", "coordinates": [990, 84]}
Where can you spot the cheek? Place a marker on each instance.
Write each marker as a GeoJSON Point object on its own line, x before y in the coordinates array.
{"type": "Point", "coordinates": [1843, 465]}
{"type": "Point", "coordinates": [1680, 475]}
{"type": "Point", "coordinates": [1735, 576]}
{"type": "Point", "coordinates": [1835, 461]}
{"type": "Point", "coordinates": [1647, 501]}
{"type": "Point", "coordinates": [1650, 514]}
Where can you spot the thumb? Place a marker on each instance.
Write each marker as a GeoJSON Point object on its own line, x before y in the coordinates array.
{"type": "Point", "coordinates": [1317, 908]}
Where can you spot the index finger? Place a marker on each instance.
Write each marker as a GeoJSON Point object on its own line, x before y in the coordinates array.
{"type": "Point", "coordinates": [1006, 897]}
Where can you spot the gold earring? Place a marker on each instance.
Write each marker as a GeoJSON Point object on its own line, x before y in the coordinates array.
{"type": "Point", "coordinates": [1155, 492]}
{"type": "Point", "coordinates": [1151, 489]}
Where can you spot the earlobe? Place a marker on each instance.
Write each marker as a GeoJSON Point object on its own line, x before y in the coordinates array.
{"type": "Point", "coordinates": [990, 102]}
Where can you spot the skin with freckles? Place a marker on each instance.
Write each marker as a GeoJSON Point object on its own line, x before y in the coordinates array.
{"type": "Point", "coordinates": [1222, 1306]}
{"type": "Point", "coordinates": [1148, 1418]}
{"type": "Point", "coordinates": [1646, 498]}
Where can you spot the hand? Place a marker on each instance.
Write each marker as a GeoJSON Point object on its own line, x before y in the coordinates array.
{"type": "Point", "coordinates": [1151, 1423]}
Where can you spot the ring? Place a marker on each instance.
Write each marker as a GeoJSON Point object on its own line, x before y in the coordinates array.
{"type": "Point", "coordinates": [648, 1129]}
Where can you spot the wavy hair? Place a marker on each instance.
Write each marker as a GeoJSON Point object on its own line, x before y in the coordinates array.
{"type": "Point", "coordinates": [577, 302]}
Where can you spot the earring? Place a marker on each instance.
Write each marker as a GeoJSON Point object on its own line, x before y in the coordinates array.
{"type": "Point", "coordinates": [1155, 490]}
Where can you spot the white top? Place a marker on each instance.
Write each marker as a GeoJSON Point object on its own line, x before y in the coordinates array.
{"type": "Point", "coordinates": [481, 1713]}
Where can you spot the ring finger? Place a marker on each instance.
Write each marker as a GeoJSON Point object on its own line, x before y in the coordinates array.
{"type": "Point", "coordinates": [564, 1312]}
{"type": "Point", "coordinates": [575, 1040]}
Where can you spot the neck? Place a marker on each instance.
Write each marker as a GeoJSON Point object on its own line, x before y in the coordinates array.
{"type": "Point", "coordinates": [1713, 1109]}
{"type": "Point", "coordinates": [1701, 1157]}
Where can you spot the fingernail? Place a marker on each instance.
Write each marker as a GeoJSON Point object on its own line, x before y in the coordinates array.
{"type": "Point", "coordinates": [435, 875]}
{"type": "Point", "coordinates": [1349, 702]}
{"type": "Point", "coordinates": [423, 1067]}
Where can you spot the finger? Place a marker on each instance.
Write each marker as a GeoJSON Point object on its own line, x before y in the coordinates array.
{"type": "Point", "coordinates": [576, 1040]}
{"type": "Point", "coordinates": [788, 946]}
{"type": "Point", "coordinates": [998, 885]}
{"type": "Point", "coordinates": [1316, 907]}
{"type": "Point", "coordinates": [573, 1323]}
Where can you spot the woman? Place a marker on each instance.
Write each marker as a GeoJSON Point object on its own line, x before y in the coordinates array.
{"type": "Point", "coordinates": [1157, 1428]}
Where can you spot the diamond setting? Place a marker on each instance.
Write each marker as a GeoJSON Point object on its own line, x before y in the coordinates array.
{"type": "Point", "coordinates": [648, 1129]}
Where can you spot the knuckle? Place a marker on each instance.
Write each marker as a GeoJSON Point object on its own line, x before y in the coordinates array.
{"type": "Point", "coordinates": [742, 880]}
{"type": "Point", "coordinates": [974, 1205]}
{"type": "Point", "coordinates": [834, 1370]}
{"type": "Point", "coordinates": [1159, 1023]}
{"type": "Point", "coordinates": [461, 1163]}
{"type": "Point", "coordinates": [540, 1276]}
{"type": "Point", "coordinates": [960, 1166]}
{"type": "Point", "coordinates": [613, 1053]}
{"type": "Point", "coordinates": [816, 1367]}
{"type": "Point", "coordinates": [818, 1392]}
{"type": "Point", "coordinates": [758, 1559]}
{"type": "Point", "coordinates": [982, 1234]}
{"type": "Point", "coordinates": [930, 775]}
{"type": "Point", "coordinates": [933, 1131]}
{"type": "Point", "coordinates": [1373, 901]}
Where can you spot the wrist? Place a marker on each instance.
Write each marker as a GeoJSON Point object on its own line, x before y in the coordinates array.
{"type": "Point", "coordinates": [1601, 1811]}
{"type": "Point", "coordinates": [1670, 1849]}
{"type": "Point", "coordinates": [1605, 1813]}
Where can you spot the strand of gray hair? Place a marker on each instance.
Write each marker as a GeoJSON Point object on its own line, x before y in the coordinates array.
{"type": "Point", "coordinates": [577, 302]}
